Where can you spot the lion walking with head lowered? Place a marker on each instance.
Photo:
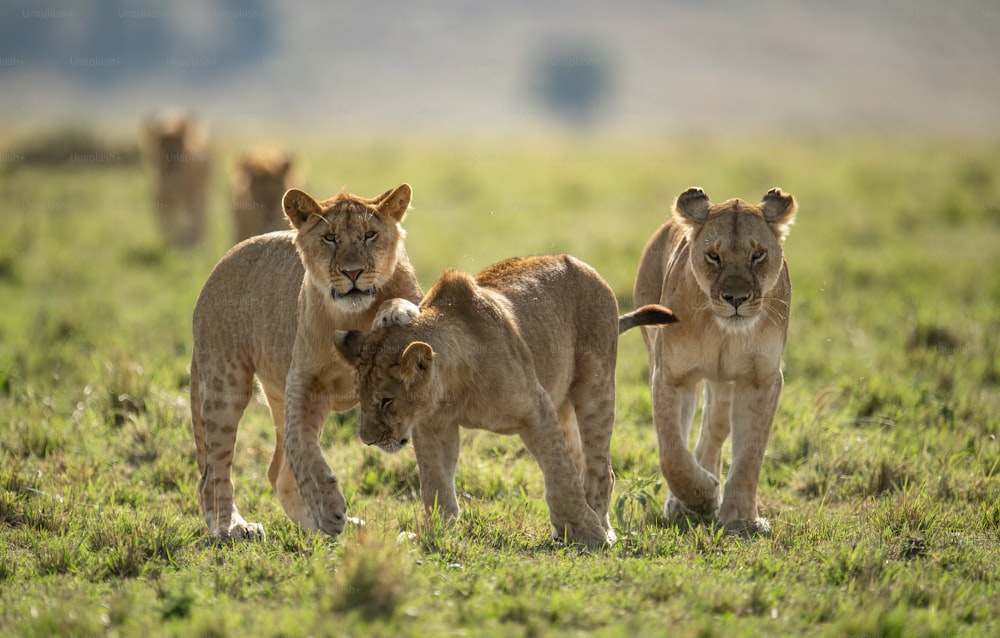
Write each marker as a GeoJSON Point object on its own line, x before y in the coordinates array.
{"type": "Point", "coordinates": [721, 269]}
{"type": "Point", "coordinates": [527, 347]}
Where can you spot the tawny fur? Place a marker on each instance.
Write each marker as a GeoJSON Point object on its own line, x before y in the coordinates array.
{"type": "Point", "coordinates": [722, 270]}
{"type": "Point", "coordinates": [528, 347]}
{"type": "Point", "coordinates": [261, 312]}
{"type": "Point", "coordinates": [177, 153]}
{"type": "Point", "coordinates": [260, 179]}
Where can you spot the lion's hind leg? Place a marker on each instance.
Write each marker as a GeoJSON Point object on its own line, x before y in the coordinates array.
{"type": "Point", "coordinates": [593, 408]}
{"type": "Point", "coordinates": [218, 402]}
{"type": "Point", "coordinates": [571, 432]}
{"type": "Point", "coordinates": [569, 512]}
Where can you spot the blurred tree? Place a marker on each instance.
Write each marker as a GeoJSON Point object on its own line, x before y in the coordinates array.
{"type": "Point", "coordinates": [573, 80]}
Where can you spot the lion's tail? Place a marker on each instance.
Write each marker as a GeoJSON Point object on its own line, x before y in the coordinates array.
{"type": "Point", "coordinates": [648, 315]}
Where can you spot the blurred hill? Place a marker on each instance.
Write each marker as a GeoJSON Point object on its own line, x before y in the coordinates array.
{"type": "Point", "coordinates": [635, 66]}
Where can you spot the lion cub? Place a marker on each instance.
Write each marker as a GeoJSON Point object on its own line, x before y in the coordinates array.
{"type": "Point", "coordinates": [527, 347]}
{"type": "Point", "coordinates": [721, 268]}
{"type": "Point", "coordinates": [269, 309]}
{"type": "Point", "coordinates": [259, 180]}
{"type": "Point", "coordinates": [176, 149]}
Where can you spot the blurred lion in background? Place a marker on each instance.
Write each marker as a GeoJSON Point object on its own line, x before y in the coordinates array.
{"type": "Point", "coordinates": [260, 179]}
{"type": "Point", "coordinates": [176, 149]}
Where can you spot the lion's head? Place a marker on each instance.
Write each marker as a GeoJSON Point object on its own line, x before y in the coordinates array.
{"type": "Point", "coordinates": [395, 382]}
{"type": "Point", "coordinates": [735, 250]}
{"type": "Point", "coordinates": [349, 246]}
{"type": "Point", "coordinates": [173, 138]}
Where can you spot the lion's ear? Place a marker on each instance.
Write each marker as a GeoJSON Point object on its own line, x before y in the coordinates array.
{"type": "Point", "coordinates": [396, 202]}
{"type": "Point", "coordinates": [299, 207]}
{"type": "Point", "coordinates": [779, 211]}
{"type": "Point", "coordinates": [416, 363]}
{"type": "Point", "coordinates": [349, 344]}
{"type": "Point", "coordinates": [692, 206]}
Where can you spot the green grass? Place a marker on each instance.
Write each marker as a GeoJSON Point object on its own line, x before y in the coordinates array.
{"type": "Point", "coordinates": [882, 479]}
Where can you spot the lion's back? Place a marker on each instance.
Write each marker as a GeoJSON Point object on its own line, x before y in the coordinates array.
{"type": "Point", "coordinates": [547, 288]}
{"type": "Point", "coordinates": [563, 308]}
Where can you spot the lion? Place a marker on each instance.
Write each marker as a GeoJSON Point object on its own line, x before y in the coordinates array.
{"type": "Point", "coordinates": [721, 268]}
{"type": "Point", "coordinates": [270, 308]}
{"type": "Point", "coordinates": [526, 347]}
{"type": "Point", "coordinates": [260, 178]}
{"type": "Point", "coordinates": [176, 149]}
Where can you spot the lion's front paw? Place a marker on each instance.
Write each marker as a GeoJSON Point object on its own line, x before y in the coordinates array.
{"type": "Point", "coordinates": [703, 500]}
{"type": "Point", "coordinates": [325, 505]}
{"type": "Point", "coordinates": [588, 532]}
{"type": "Point", "coordinates": [241, 530]}
{"type": "Point", "coordinates": [748, 527]}
{"type": "Point", "coordinates": [674, 510]}
{"type": "Point", "coordinates": [395, 312]}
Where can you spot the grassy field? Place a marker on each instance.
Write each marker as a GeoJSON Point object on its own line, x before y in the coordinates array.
{"type": "Point", "coordinates": [882, 479]}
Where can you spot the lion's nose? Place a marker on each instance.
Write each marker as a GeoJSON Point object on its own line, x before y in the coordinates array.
{"type": "Point", "coordinates": [735, 300]}
{"type": "Point", "coordinates": [352, 274]}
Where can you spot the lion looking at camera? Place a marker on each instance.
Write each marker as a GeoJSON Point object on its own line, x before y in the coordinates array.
{"type": "Point", "coordinates": [721, 269]}
{"type": "Point", "coordinates": [269, 309]}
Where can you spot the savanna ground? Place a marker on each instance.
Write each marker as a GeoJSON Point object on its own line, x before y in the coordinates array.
{"type": "Point", "coordinates": [881, 481]}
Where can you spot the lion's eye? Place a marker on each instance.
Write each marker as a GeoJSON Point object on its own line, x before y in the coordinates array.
{"type": "Point", "coordinates": [370, 235]}
{"type": "Point", "coordinates": [758, 256]}
{"type": "Point", "coordinates": [331, 238]}
{"type": "Point", "coordinates": [384, 403]}
{"type": "Point", "coordinates": [713, 257]}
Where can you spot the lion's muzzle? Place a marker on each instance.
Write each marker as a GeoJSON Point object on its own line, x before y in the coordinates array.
{"type": "Point", "coordinates": [735, 291]}
{"type": "Point", "coordinates": [354, 291]}
{"type": "Point", "coordinates": [380, 436]}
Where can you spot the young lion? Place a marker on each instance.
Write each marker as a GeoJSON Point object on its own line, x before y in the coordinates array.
{"type": "Point", "coordinates": [721, 268]}
{"type": "Point", "coordinates": [270, 308]}
{"type": "Point", "coordinates": [176, 147]}
{"type": "Point", "coordinates": [260, 178]}
{"type": "Point", "coordinates": [528, 347]}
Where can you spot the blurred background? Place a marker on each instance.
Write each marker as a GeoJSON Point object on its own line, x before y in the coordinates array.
{"type": "Point", "coordinates": [635, 67]}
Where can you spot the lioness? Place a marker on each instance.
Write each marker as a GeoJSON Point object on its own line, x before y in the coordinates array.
{"type": "Point", "coordinates": [528, 347]}
{"type": "Point", "coordinates": [721, 269]}
{"type": "Point", "coordinates": [176, 149]}
{"type": "Point", "coordinates": [261, 312]}
{"type": "Point", "coordinates": [260, 178]}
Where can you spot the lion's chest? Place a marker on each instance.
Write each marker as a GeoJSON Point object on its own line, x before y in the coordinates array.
{"type": "Point", "coordinates": [713, 355]}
